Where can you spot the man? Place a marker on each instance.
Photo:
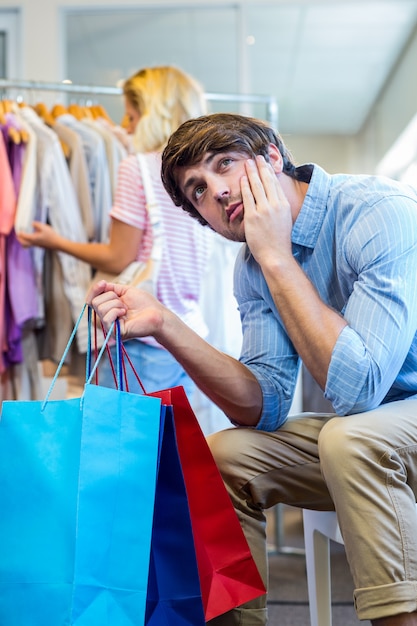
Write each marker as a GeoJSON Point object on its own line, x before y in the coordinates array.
{"type": "Point", "coordinates": [328, 276]}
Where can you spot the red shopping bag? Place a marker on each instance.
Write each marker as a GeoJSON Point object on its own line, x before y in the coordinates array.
{"type": "Point", "coordinates": [227, 571]}
{"type": "Point", "coordinates": [228, 574]}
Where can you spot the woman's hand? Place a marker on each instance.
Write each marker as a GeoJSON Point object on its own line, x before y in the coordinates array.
{"type": "Point", "coordinates": [43, 236]}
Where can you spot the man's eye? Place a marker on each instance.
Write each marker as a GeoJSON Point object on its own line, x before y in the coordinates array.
{"type": "Point", "coordinates": [226, 161]}
{"type": "Point", "coordinates": [198, 191]}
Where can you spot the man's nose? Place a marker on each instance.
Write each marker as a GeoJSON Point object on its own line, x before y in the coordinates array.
{"type": "Point", "coordinates": [223, 195]}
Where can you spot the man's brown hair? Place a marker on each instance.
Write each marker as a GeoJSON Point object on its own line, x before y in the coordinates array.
{"type": "Point", "coordinates": [213, 134]}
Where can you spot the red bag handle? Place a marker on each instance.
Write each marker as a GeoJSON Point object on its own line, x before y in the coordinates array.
{"type": "Point", "coordinates": [119, 371]}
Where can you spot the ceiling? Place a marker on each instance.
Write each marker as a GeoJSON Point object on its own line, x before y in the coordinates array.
{"type": "Point", "coordinates": [332, 58]}
{"type": "Point", "coordinates": [324, 61]}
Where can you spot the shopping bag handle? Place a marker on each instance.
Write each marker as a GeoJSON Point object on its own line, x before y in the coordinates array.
{"type": "Point", "coordinates": [119, 371]}
{"type": "Point", "coordinates": [89, 374]}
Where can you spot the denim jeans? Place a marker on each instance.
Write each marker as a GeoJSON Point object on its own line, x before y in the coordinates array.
{"type": "Point", "coordinates": [156, 368]}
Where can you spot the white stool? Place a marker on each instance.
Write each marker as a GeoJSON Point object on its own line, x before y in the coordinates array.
{"type": "Point", "coordinates": [319, 528]}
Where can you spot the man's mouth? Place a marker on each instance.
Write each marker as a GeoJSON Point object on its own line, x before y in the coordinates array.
{"type": "Point", "coordinates": [234, 210]}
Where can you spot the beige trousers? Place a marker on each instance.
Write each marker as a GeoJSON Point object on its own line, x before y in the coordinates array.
{"type": "Point", "coordinates": [364, 466]}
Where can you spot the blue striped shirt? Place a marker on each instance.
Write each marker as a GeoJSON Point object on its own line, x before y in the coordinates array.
{"type": "Point", "coordinates": [356, 240]}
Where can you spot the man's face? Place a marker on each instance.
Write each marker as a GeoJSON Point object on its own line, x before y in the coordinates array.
{"type": "Point", "coordinates": [213, 188]}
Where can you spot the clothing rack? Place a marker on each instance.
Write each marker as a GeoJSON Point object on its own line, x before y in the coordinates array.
{"type": "Point", "coordinates": [269, 101]}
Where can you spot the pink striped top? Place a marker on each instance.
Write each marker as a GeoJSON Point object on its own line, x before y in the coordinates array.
{"type": "Point", "coordinates": [186, 242]}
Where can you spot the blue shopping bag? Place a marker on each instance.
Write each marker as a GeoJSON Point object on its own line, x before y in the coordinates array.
{"type": "Point", "coordinates": [174, 595]}
{"type": "Point", "coordinates": [228, 573]}
{"type": "Point", "coordinates": [77, 493]}
{"type": "Point", "coordinates": [218, 572]}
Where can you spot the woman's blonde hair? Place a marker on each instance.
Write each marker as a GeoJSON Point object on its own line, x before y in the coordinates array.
{"type": "Point", "coordinates": [164, 97]}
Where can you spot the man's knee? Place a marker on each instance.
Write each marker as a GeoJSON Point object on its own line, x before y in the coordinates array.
{"type": "Point", "coordinates": [223, 447]}
{"type": "Point", "coordinates": [235, 451]}
{"type": "Point", "coordinates": [338, 444]}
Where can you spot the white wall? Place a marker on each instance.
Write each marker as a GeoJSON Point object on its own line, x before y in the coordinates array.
{"type": "Point", "coordinates": [332, 152]}
{"type": "Point", "coordinates": [391, 114]}
{"type": "Point", "coordinates": [41, 29]}
{"type": "Point", "coordinates": [393, 111]}
{"type": "Point", "coordinates": [42, 46]}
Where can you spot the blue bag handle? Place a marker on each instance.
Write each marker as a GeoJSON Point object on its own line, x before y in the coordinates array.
{"type": "Point", "coordinates": [119, 372]}
{"type": "Point", "coordinates": [89, 374]}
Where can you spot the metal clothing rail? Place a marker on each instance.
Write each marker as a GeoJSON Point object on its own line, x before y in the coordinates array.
{"type": "Point", "coordinates": [269, 101]}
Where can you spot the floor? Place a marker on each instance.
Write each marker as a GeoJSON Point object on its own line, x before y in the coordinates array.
{"type": "Point", "coordinates": [288, 600]}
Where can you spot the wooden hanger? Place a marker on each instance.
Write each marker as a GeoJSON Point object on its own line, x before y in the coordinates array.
{"type": "Point", "coordinates": [98, 111]}
{"type": "Point", "coordinates": [17, 135]}
{"type": "Point", "coordinates": [58, 109]}
{"type": "Point", "coordinates": [44, 113]}
{"type": "Point", "coordinates": [23, 133]}
{"type": "Point", "coordinates": [87, 112]}
{"type": "Point", "coordinates": [14, 134]}
{"type": "Point", "coordinates": [2, 114]}
{"type": "Point", "coordinates": [7, 106]}
{"type": "Point", "coordinates": [76, 110]}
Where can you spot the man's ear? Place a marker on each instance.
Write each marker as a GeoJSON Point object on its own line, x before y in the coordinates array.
{"type": "Point", "coordinates": [275, 158]}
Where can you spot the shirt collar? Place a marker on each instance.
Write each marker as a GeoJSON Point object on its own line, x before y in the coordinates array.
{"type": "Point", "coordinates": [310, 219]}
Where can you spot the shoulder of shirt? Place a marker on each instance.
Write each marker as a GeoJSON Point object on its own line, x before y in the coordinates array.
{"type": "Point", "coordinates": [129, 166]}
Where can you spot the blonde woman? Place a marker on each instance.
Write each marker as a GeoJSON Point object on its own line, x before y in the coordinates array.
{"type": "Point", "coordinates": [157, 101]}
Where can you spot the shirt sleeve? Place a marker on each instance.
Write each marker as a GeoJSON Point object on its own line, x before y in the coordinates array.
{"type": "Point", "coordinates": [381, 312]}
{"type": "Point", "coordinates": [129, 202]}
{"type": "Point", "coordinates": [266, 348]}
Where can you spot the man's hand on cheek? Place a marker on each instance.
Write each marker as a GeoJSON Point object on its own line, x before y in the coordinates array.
{"type": "Point", "coordinates": [268, 221]}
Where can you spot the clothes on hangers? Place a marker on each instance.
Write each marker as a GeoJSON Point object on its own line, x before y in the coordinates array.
{"type": "Point", "coordinates": [98, 171]}
{"type": "Point", "coordinates": [69, 188]}
{"type": "Point", "coordinates": [57, 203]}
{"type": "Point", "coordinates": [17, 281]}
{"type": "Point", "coordinates": [85, 164]}
{"type": "Point", "coordinates": [78, 170]}
{"type": "Point", "coordinates": [115, 153]}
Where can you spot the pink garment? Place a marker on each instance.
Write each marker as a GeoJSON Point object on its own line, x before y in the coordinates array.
{"type": "Point", "coordinates": [15, 151]}
{"type": "Point", "coordinates": [7, 213]}
{"type": "Point", "coordinates": [7, 192]}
